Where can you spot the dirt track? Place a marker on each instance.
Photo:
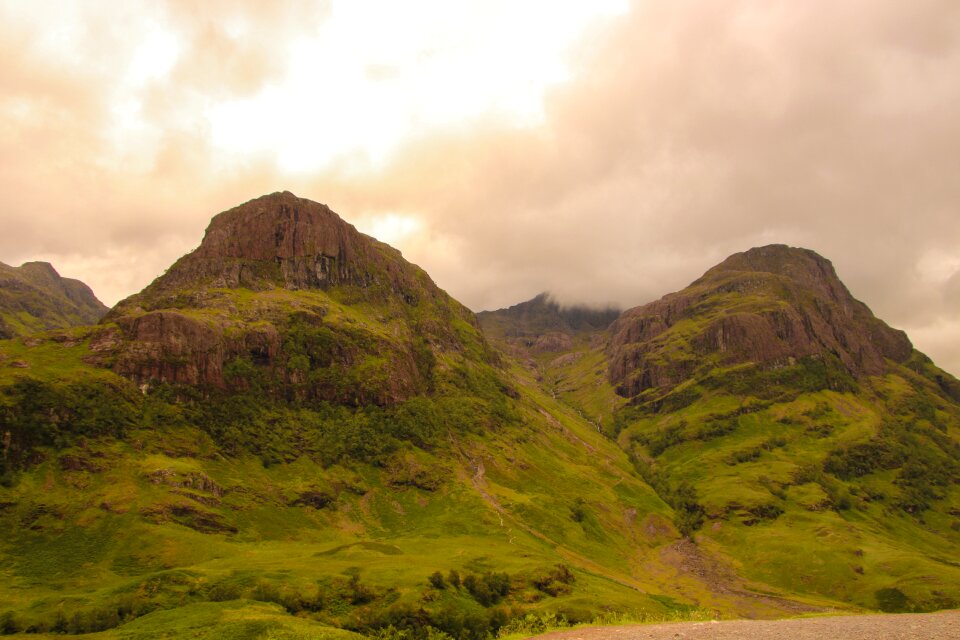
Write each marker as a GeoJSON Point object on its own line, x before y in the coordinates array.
{"type": "Point", "coordinates": [928, 626]}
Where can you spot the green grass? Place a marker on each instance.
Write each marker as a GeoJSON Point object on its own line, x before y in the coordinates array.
{"type": "Point", "coordinates": [259, 516]}
{"type": "Point", "coordinates": [161, 520]}
{"type": "Point", "coordinates": [844, 539]}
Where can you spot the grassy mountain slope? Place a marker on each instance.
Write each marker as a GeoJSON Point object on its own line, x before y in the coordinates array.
{"type": "Point", "coordinates": [563, 347]}
{"type": "Point", "coordinates": [285, 419]}
{"type": "Point", "coordinates": [790, 430]}
{"type": "Point", "coordinates": [105, 529]}
{"type": "Point", "coordinates": [295, 433]}
{"type": "Point", "coordinates": [33, 297]}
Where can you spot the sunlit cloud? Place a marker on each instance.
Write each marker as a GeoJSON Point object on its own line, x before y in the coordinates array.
{"type": "Point", "coordinates": [374, 74]}
{"type": "Point", "coordinates": [609, 151]}
{"type": "Point", "coordinates": [393, 228]}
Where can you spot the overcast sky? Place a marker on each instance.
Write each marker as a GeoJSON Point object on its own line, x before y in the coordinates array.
{"type": "Point", "coordinates": [607, 151]}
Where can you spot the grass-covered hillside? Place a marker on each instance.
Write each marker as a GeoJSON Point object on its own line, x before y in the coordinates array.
{"type": "Point", "coordinates": [788, 428]}
{"type": "Point", "coordinates": [294, 433]}
{"type": "Point", "coordinates": [851, 494]}
{"type": "Point", "coordinates": [33, 297]}
{"type": "Point", "coordinates": [460, 509]}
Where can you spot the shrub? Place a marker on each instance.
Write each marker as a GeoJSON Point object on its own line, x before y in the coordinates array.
{"type": "Point", "coordinates": [578, 511]}
{"type": "Point", "coordinates": [858, 460]}
{"type": "Point", "coordinates": [489, 588]}
{"type": "Point", "coordinates": [436, 580]}
{"type": "Point", "coordinates": [555, 582]}
{"type": "Point", "coordinates": [9, 624]}
{"type": "Point", "coordinates": [892, 600]}
{"type": "Point", "coordinates": [454, 578]}
{"type": "Point", "coordinates": [37, 413]}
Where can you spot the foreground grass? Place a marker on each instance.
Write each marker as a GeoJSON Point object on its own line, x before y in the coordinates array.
{"type": "Point", "coordinates": [533, 625]}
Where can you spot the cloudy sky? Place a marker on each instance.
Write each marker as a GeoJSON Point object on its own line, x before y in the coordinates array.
{"type": "Point", "coordinates": [608, 151]}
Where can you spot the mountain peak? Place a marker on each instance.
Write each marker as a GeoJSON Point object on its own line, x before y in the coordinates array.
{"type": "Point", "coordinates": [39, 266]}
{"type": "Point", "coordinates": [270, 272]}
{"type": "Point", "coordinates": [279, 226]}
{"type": "Point", "coordinates": [804, 266]}
{"type": "Point", "coordinates": [281, 240]}
{"type": "Point", "coordinates": [769, 306]}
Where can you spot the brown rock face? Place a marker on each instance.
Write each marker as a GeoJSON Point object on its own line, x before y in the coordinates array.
{"type": "Point", "coordinates": [280, 240]}
{"type": "Point", "coordinates": [297, 242]}
{"type": "Point", "coordinates": [257, 292]}
{"type": "Point", "coordinates": [171, 347]}
{"type": "Point", "coordinates": [770, 306]}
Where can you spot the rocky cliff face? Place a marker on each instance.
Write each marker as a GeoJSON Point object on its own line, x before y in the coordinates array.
{"type": "Point", "coordinates": [34, 297]}
{"type": "Point", "coordinates": [282, 291]}
{"type": "Point", "coordinates": [280, 240]}
{"type": "Point", "coordinates": [770, 306]}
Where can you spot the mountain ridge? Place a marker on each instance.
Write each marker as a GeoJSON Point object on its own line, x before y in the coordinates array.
{"type": "Point", "coordinates": [265, 266]}
{"type": "Point", "coordinates": [790, 305]}
{"type": "Point", "coordinates": [296, 425]}
{"type": "Point", "coordinates": [34, 297]}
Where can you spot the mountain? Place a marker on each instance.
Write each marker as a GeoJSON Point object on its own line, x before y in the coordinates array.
{"type": "Point", "coordinates": [294, 432]}
{"type": "Point", "coordinates": [789, 429]}
{"type": "Point", "coordinates": [542, 325]}
{"type": "Point", "coordinates": [284, 294]}
{"type": "Point", "coordinates": [563, 347]}
{"type": "Point", "coordinates": [33, 297]}
{"type": "Point", "coordinates": [770, 307]}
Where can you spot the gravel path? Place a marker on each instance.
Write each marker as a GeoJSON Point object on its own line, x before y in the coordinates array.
{"type": "Point", "coordinates": [944, 625]}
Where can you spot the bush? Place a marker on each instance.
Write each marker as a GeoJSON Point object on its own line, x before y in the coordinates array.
{"type": "Point", "coordinates": [892, 600]}
{"type": "Point", "coordinates": [436, 580]}
{"type": "Point", "coordinates": [854, 461]}
{"type": "Point", "coordinates": [578, 511]}
{"type": "Point", "coordinates": [688, 513]}
{"type": "Point", "coordinates": [555, 582]}
{"type": "Point", "coordinates": [489, 588]}
{"type": "Point", "coordinates": [454, 578]}
{"type": "Point", "coordinates": [9, 624]}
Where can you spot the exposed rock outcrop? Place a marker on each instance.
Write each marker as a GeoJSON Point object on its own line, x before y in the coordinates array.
{"type": "Point", "coordinates": [770, 306]}
{"type": "Point", "coordinates": [280, 240]}
{"type": "Point", "coordinates": [272, 293]}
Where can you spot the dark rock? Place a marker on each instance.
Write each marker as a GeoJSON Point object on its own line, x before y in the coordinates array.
{"type": "Point", "coordinates": [193, 480]}
{"type": "Point", "coordinates": [186, 328]}
{"type": "Point", "coordinates": [770, 306]}
{"type": "Point", "coordinates": [313, 498]}
{"type": "Point", "coordinates": [188, 515]}
{"type": "Point", "coordinates": [69, 462]}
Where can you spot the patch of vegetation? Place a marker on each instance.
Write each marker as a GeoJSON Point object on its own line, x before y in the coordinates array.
{"type": "Point", "coordinates": [783, 384]}
{"type": "Point", "coordinates": [38, 413]}
{"type": "Point", "coordinates": [892, 600]}
{"type": "Point", "coordinates": [689, 513]}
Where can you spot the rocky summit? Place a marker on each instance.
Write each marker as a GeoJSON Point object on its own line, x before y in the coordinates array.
{"type": "Point", "coordinates": [293, 432]}
{"type": "Point", "coordinates": [273, 267]}
{"type": "Point", "coordinates": [280, 240]}
{"type": "Point", "coordinates": [768, 307]}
